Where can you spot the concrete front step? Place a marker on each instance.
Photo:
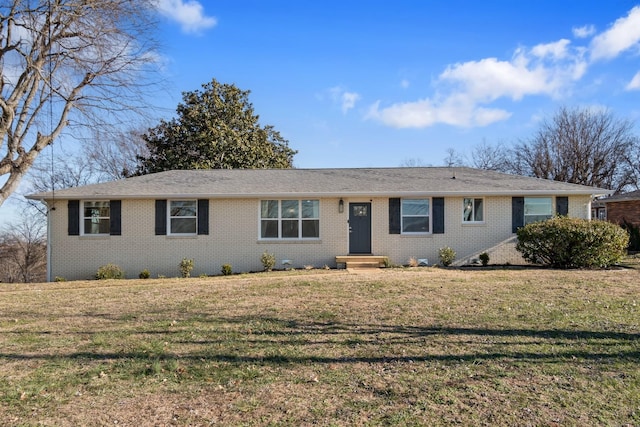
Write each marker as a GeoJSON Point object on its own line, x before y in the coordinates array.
{"type": "Point", "coordinates": [351, 264]}
{"type": "Point", "coordinates": [361, 261]}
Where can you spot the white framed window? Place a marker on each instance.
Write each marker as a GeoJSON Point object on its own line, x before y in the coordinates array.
{"type": "Point", "coordinates": [182, 217]}
{"type": "Point", "coordinates": [290, 219]}
{"type": "Point", "coordinates": [537, 209]}
{"type": "Point", "coordinates": [96, 217]}
{"type": "Point", "coordinates": [472, 210]}
{"type": "Point", "coordinates": [599, 213]}
{"type": "Point", "coordinates": [415, 215]}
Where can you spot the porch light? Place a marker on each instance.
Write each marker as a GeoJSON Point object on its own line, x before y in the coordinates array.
{"type": "Point", "coordinates": [341, 206]}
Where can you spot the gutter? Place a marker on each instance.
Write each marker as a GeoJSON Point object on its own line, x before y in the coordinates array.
{"type": "Point", "coordinates": [595, 192]}
{"type": "Point", "coordinates": [49, 279]}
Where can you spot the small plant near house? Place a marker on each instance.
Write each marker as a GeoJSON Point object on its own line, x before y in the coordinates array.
{"type": "Point", "coordinates": [59, 279]}
{"type": "Point", "coordinates": [109, 271]}
{"type": "Point", "coordinates": [186, 265]}
{"type": "Point", "coordinates": [144, 274]}
{"type": "Point", "coordinates": [484, 259]}
{"type": "Point", "coordinates": [268, 261]}
{"type": "Point", "coordinates": [447, 256]}
{"type": "Point", "coordinates": [413, 262]}
{"type": "Point", "coordinates": [227, 270]}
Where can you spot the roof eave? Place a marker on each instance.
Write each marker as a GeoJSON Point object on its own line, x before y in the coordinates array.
{"type": "Point", "coordinates": [333, 194]}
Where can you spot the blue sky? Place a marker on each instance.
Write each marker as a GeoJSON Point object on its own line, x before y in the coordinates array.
{"type": "Point", "coordinates": [359, 84]}
{"type": "Point", "coordinates": [373, 84]}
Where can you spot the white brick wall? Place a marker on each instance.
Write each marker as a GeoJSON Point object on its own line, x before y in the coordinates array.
{"type": "Point", "coordinates": [234, 238]}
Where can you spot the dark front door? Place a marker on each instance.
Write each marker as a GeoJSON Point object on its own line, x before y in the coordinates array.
{"type": "Point", "coordinates": [359, 228]}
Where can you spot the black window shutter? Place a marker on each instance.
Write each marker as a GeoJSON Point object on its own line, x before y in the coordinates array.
{"type": "Point", "coordinates": [73, 208]}
{"type": "Point", "coordinates": [115, 221]}
{"type": "Point", "coordinates": [161, 217]}
{"type": "Point", "coordinates": [394, 216]}
{"type": "Point", "coordinates": [562, 206]}
{"type": "Point", "coordinates": [203, 216]}
{"type": "Point", "coordinates": [438, 215]}
{"type": "Point", "coordinates": [517, 213]}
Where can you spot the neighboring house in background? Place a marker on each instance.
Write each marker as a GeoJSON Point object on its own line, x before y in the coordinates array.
{"type": "Point", "coordinates": [306, 216]}
{"type": "Point", "coordinates": [598, 209]}
{"type": "Point", "coordinates": [622, 208]}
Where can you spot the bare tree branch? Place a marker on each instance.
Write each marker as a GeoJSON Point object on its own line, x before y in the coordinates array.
{"type": "Point", "coordinates": [67, 63]}
{"type": "Point", "coordinates": [454, 158]}
{"type": "Point", "coordinates": [581, 146]}
{"type": "Point", "coordinates": [23, 250]}
{"type": "Point", "coordinates": [490, 157]}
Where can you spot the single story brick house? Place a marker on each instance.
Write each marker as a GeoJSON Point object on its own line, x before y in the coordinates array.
{"type": "Point", "coordinates": [305, 217]}
{"type": "Point", "coordinates": [624, 207]}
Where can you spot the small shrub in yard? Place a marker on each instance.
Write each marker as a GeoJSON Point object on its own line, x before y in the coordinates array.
{"type": "Point", "coordinates": [413, 262]}
{"type": "Point", "coordinates": [144, 274]}
{"type": "Point", "coordinates": [563, 242]}
{"type": "Point", "coordinates": [484, 259]}
{"type": "Point", "coordinates": [226, 270]}
{"type": "Point", "coordinates": [268, 261]}
{"type": "Point", "coordinates": [59, 279]}
{"type": "Point", "coordinates": [186, 265]}
{"type": "Point", "coordinates": [447, 256]}
{"type": "Point", "coordinates": [109, 271]}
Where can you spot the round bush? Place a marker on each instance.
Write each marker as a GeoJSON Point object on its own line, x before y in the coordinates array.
{"type": "Point", "coordinates": [226, 270]}
{"type": "Point", "coordinates": [447, 256]}
{"type": "Point", "coordinates": [563, 242]}
{"type": "Point", "coordinates": [109, 271]}
{"type": "Point", "coordinates": [268, 261]}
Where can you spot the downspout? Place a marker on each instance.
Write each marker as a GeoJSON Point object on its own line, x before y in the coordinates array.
{"type": "Point", "coordinates": [48, 239]}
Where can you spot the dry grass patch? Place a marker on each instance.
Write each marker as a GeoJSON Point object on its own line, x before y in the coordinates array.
{"type": "Point", "coordinates": [423, 346]}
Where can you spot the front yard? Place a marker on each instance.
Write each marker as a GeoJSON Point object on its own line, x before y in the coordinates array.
{"type": "Point", "coordinates": [422, 346]}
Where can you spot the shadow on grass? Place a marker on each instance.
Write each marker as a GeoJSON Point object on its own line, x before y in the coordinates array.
{"type": "Point", "coordinates": [252, 339]}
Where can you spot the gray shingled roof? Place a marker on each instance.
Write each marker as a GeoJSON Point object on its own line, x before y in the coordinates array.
{"type": "Point", "coordinates": [368, 182]}
{"type": "Point", "coordinates": [623, 197]}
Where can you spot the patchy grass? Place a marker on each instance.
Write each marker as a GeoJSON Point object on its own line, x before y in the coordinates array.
{"type": "Point", "coordinates": [423, 346]}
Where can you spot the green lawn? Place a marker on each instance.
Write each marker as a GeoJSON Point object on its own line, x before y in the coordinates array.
{"type": "Point", "coordinates": [422, 346]}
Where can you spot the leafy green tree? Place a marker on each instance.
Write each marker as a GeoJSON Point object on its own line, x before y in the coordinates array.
{"type": "Point", "coordinates": [215, 128]}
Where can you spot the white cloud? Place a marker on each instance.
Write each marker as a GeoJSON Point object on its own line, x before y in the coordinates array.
{"type": "Point", "coordinates": [425, 113]}
{"type": "Point", "coordinates": [634, 84]}
{"type": "Point", "coordinates": [188, 13]}
{"type": "Point", "coordinates": [556, 50]}
{"type": "Point", "coordinates": [404, 84]}
{"type": "Point", "coordinates": [347, 100]}
{"type": "Point", "coordinates": [623, 34]}
{"type": "Point", "coordinates": [545, 69]}
{"type": "Point", "coordinates": [464, 89]}
{"type": "Point", "coordinates": [583, 32]}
